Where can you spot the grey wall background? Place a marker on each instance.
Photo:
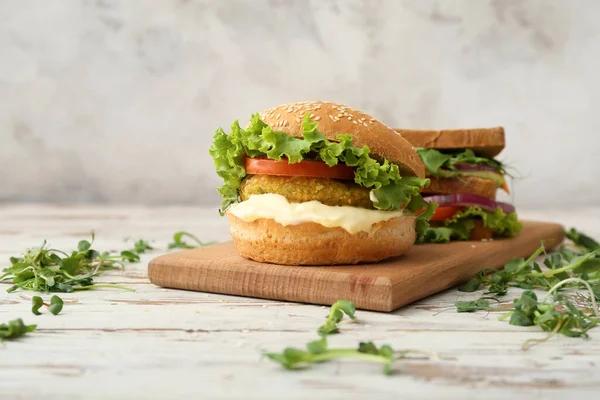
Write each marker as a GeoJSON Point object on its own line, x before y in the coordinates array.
{"type": "Point", "coordinates": [117, 101]}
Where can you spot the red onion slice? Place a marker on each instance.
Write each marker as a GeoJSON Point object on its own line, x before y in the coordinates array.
{"type": "Point", "coordinates": [470, 200]}
{"type": "Point", "coordinates": [475, 167]}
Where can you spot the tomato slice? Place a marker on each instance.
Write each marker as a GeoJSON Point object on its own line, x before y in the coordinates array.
{"type": "Point", "coordinates": [314, 169]}
{"type": "Point", "coordinates": [443, 213]}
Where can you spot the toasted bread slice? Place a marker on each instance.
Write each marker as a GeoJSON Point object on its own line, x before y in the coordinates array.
{"type": "Point", "coordinates": [480, 232]}
{"type": "Point", "coordinates": [488, 142]}
{"type": "Point", "coordinates": [463, 184]}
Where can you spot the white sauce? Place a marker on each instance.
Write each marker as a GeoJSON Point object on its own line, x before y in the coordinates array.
{"type": "Point", "coordinates": [373, 198]}
{"type": "Point", "coordinates": [276, 207]}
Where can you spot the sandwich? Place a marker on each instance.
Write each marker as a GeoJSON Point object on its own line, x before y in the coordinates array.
{"type": "Point", "coordinates": [464, 178]}
{"type": "Point", "coordinates": [319, 183]}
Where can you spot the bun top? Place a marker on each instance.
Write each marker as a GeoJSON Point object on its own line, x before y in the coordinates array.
{"type": "Point", "coordinates": [335, 119]}
{"type": "Point", "coordinates": [488, 142]}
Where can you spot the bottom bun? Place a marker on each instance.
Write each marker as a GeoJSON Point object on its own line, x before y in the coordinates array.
{"type": "Point", "coordinates": [265, 240]}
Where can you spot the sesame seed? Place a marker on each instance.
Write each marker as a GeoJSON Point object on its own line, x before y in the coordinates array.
{"type": "Point", "coordinates": [297, 119]}
{"type": "Point", "coordinates": [317, 118]}
{"type": "Point", "coordinates": [354, 122]}
{"type": "Point", "coordinates": [332, 118]}
{"type": "Point", "coordinates": [277, 116]}
{"type": "Point", "coordinates": [349, 118]}
{"type": "Point", "coordinates": [365, 124]}
{"type": "Point", "coordinates": [339, 115]}
{"type": "Point", "coordinates": [312, 115]}
{"type": "Point", "coordinates": [363, 118]}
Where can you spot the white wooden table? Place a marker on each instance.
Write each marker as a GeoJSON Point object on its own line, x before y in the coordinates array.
{"type": "Point", "coordinates": [156, 343]}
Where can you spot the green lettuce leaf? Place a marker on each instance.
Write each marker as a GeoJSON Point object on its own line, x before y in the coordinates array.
{"type": "Point", "coordinates": [440, 164]}
{"type": "Point", "coordinates": [459, 230]}
{"type": "Point", "coordinates": [462, 223]}
{"type": "Point", "coordinates": [392, 191]}
{"type": "Point", "coordinates": [428, 209]}
{"type": "Point", "coordinates": [501, 223]}
{"type": "Point", "coordinates": [435, 234]}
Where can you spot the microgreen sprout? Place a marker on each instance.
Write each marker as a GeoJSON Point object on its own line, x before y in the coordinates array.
{"type": "Point", "coordinates": [318, 351]}
{"type": "Point", "coordinates": [14, 329]}
{"type": "Point", "coordinates": [179, 243]}
{"type": "Point", "coordinates": [336, 314]}
{"type": "Point", "coordinates": [55, 306]}
{"type": "Point", "coordinates": [564, 268]}
{"type": "Point", "coordinates": [50, 270]}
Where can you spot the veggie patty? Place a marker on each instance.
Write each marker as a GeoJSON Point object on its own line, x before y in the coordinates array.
{"type": "Point", "coordinates": [299, 189]}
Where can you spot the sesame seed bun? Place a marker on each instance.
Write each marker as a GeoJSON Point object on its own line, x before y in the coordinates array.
{"type": "Point", "coordinates": [265, 240]}
{"type": "Point", "coordinates": [335, 119]}
{"type": "Point", "coordinates": [488, 142]}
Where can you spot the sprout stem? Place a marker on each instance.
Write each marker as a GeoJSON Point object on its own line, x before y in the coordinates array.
{"type": "Point", "coordinates": [578, 280]}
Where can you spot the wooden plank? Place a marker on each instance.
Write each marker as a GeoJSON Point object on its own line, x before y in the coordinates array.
{"type": "Point", "coordinates": [385, 286]}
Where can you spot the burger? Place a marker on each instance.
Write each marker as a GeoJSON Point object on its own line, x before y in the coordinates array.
{"type": "Point", "coordinates": [464, 178]}
{"type": "Point", "coordinates": [319, 183]}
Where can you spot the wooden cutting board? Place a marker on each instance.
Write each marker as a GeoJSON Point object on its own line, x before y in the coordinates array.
{"type": "Point", "coordinates": [423, 271]}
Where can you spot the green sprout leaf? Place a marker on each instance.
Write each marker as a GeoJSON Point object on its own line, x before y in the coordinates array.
{"type": "Point", "coordinates": [582, 241]}
{"type": "Point", "coordinates": [519, 318]}
{"type": "Point", "coordinates": [130, 256]}
{"type": "Point", "coordinates": [472, 306]}
{"type": "Point", "coordinates": [527, 304]}
{"type": "Point", "coordinates": [37, 303]}
{"type": "Point", "coordinates": [317, 346]}
{"type": "Point", "coordinates": [179, 243]}
{"type": "Point", "coordinates": [336, 314]}
{"type": "Point", "coordinates": [56, 305]}
{"type": "Point", "coordinates": [14, 329]}
{"type": "Point", "coordinates": [141, 246]}
{"type": "Point", "coordinates": [83, 246]}
{"type": "Point", "coordinates": [471, 286]}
